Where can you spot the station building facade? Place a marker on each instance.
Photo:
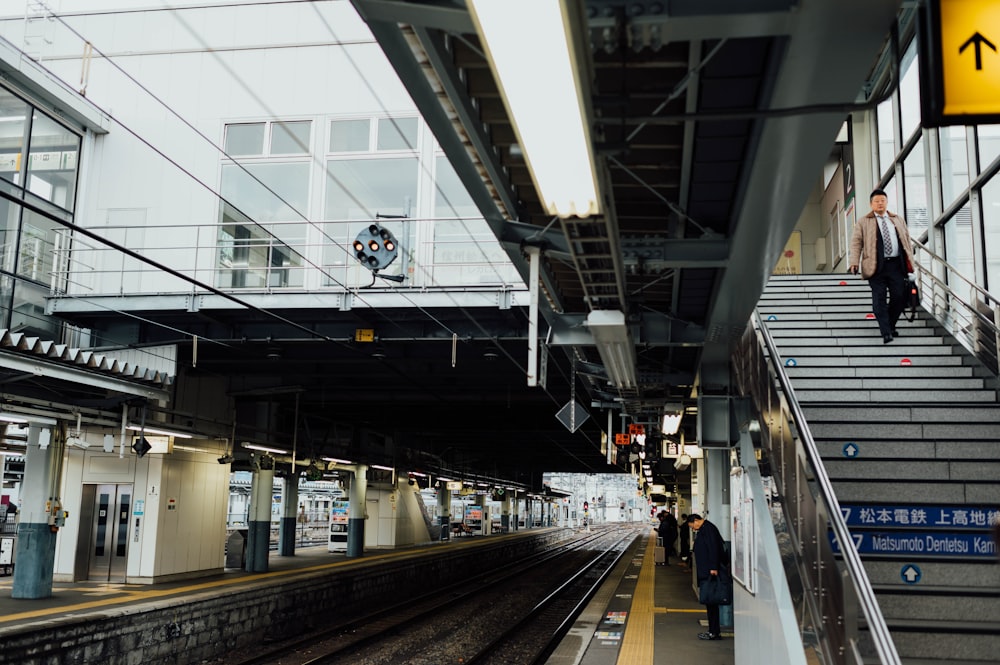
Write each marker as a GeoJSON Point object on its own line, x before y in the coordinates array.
{"type": "Point", "coordinates": [245, 159]}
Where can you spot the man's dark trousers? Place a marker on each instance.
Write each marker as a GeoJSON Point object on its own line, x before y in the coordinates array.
{"type": "Point", "coordinates": [889, 278]}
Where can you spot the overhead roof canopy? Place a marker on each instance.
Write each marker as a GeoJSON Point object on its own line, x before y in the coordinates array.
{"type": "Point", "coordinates": [711, 124]}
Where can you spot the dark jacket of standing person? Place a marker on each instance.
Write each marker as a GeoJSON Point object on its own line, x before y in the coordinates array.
{"type": "Point", "coordinates": [667, 530]}
{"type": "Point", "coordinates": [710, 556]}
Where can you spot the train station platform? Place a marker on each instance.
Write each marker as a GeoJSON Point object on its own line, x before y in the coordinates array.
{"type": "Point", "coordinates": [644, 614]}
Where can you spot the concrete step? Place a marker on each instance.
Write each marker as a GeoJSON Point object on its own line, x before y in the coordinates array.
{"type": "Point", "coordinates": [948, 576]}
{"type": "Point", "coordinates": [835, 384]}
{"type": "Point", "coordinates": [915, 449]}
{"type": "Point", "coordinates": [888, 395]}
{"type": "Point", "coordinates": [916, 492]}
{"type": "Point", "coordinates": [801, 373]}
{"type": "Point", "coordinates": [928, 642]}
{"type": "Point", "coordinates": [906, 605]}
{"type": "Point", "coordinates": [898, 471]}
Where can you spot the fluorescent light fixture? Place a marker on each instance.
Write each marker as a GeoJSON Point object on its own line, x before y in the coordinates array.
{"type": "Point", "coordinates": [254, 446]}
{"type": "Point", "coordinates": [383, 468]}
{"type": "Point", "coordinates": [671, 422]}
{"type": "Point", "coordinates": [537, 65]}
{"type": "Point", "coordinates": [8, 418]}
{"type": "Point", "coordinates": [164, 432]}
{"type": "Point", "coordinates": [615, 346]}
{"type": "Point", "coordinates": [338, 461]}
{"type": "Point", "coordinates": [418, 474]}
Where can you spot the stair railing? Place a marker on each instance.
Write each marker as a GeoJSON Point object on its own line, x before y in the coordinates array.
{"type": "Point", "coordinates": [834, 594]}
{"type": "Point", "coordinates": [962, 307]}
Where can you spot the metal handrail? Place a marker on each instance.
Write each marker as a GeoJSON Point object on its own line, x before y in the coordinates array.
{"type": "Point", "coordinates": [782, 407]}
{"type": "Point", "coordinates": [965, 317]}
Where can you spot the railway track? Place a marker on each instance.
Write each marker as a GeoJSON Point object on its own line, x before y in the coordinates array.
{"type": "Point", "coordinates": [514, 614]}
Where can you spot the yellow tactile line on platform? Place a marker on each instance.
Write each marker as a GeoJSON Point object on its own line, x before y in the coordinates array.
{"type": "Point", "coordinates": [637, 646]}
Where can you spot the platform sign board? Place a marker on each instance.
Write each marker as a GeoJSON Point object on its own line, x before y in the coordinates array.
{"type": "Point", "coordinates": [922, 517]}
{"type": "Point", "coordinates": [929, 543]}
{"type": "Point", "coordinates": [960, 62]}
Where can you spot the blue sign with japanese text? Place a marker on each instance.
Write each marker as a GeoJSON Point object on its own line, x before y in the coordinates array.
{"type": "Point", "coordinates": [927, 543]}
{"type": "Point", "coordinates": [923, 517]}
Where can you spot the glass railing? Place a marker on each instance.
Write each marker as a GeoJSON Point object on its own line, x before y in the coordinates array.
{"type": "Point", "coordinates": [193, 258]}
{"type": "Point", "coordinates": [966, 310]}
{"type": "Point", "coordinates": [837, 599]}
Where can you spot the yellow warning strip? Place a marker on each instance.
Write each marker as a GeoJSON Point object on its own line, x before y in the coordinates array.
{"type": "Point", "coordinates": [128, 596]}
{"type": "Point", "coordinates": [637, 646]}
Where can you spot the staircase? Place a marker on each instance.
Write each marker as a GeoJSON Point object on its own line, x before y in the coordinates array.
{"type": "Point", "coordinates": [909, 433]}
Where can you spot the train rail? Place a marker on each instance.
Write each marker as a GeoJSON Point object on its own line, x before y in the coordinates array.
{"type": "Point", "coordinates": [513, 614]}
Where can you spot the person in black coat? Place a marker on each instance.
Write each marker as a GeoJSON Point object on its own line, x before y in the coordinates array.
{"type": "Point", "coordinates": [711, 559]}
{"type": "Point", "coordinates": [667, 530]}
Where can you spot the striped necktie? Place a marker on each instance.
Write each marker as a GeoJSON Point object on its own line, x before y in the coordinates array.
{"type": "Point", "coordinates": [886, 236]}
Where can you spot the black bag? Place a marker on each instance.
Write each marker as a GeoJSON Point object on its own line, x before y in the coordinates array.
{"type": "Point", "coordinates": [716, 590]}
{"type": "Point", "coordinates": [912, 298]}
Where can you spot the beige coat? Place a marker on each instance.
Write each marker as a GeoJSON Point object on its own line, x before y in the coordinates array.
{"type": "Point", "coordinates": [864, 242]}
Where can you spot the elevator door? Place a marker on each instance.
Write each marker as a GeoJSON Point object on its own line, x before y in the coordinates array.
{"type": "Point", "coordinates": [109, 541]}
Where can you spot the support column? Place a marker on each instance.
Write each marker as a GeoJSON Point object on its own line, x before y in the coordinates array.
{"type": "Point", "coordinates": [444, 510]}
{"type": "Point", "coordinates": [358, 495]}
{"type": "Point", "coordinates": [259, 535]}
{"type": "Point", "coordinates": [515, 518]}
{"type": "Point", "coordinates": [505, 513]}
{"type": "Point", "coordinates": [289, 515]}
{"type": "Point", "coordinates": [527, 511]}
{"type": "Point", "coordinates": [484, 527]}
{"type": "Point", "coordinates": [41, 512]}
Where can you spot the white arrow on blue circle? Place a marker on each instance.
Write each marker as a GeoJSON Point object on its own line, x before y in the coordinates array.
{"type": "Point", "coordinates": [910, 573]}
{"type": "Point", "coordinates": [851, 449]}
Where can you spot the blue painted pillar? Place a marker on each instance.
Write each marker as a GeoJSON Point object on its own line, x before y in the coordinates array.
{"type": "Point", "coordinates": [444, 511]}
{"type": "Point", "coordinates": [36, 538]}
{"type": "Point", "coordinates": [358, 494]}
{"type": "Point", "coordinates": [259, 535]}
{"type": "Point", "coordinates": [289, 513]}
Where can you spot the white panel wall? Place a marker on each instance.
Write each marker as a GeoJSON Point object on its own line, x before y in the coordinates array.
{"type": "Point", "coordinates": [285, 60]}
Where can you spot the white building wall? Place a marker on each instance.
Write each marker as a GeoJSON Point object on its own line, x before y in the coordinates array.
{"type": "Point", "coordinates": [312, 61]}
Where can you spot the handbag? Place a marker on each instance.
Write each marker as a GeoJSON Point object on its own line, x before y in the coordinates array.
{"type": "Point", "coordinates": [912, 298]}
{"type": "Point", "coordinates": [716, 590]}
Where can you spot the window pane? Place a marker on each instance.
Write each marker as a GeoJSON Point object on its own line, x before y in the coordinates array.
{"type": "Point", "coordinates": [349, 135]}
{"type": "Point", "coordinates": [954, 163]}
{"type": "Point", "coordinates": [991, 223]}
{"type": "Point", "coordinates": [397, 134]}
{"type": "Point", "coordinates": [909, 92]}
{"type": "Point", "coordinates": [467, 252]}
{"type": "Point", "coordinates": [28, 314]}
{"type": "Point", "coordinates": [290, 182]}
{"type": "Point", "coordinates": [54, 152]}
{"type": "Point", "coordinates": [245, 139]}
{"type": "Point", "coordinates": [450, 197]}
{"type": "Point", "coordinates": [290, 138]}
{"type": "Point", "coordinates": [959, 249]}
{"type": "Point", "coordinates": [886, 137]}
{"type": "Point", "coordinates": [36, 247]}
{"type": "Point", "coordinates": [363, 188]}
{"type": "Point", "coordinates": [9, 212]}
{"type": "Point", "coordinates": [916, 212]}
{"type": "Point", "coordinates": [243, 252]}
{"type": "Point", "coordinates": [988, 138]}
{"type": "Point", "coordinates": [14, 114]}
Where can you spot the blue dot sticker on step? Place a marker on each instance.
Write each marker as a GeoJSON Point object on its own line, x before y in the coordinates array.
{"type": "Point", "coordinates": [772, 317]}
{"type": "Point", "coordinates": [851, 450]}
{"type": "Point", "coordinates": [791, 362]}
{"type": "Point", "coordinates": [910, 573]}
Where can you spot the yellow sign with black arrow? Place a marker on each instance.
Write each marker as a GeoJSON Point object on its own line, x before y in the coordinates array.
{"type": "Point", "coordinates": [960, 62]}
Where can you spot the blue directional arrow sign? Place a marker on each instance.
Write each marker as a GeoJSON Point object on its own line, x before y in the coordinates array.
{"type": "Point", "coordinates": [910, 573]}
{"type": "Point", "coordinates": [851, 450]}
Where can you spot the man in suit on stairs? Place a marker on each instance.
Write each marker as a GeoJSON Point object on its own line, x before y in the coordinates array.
{"type": "Point", "coordinates": [881, 247]}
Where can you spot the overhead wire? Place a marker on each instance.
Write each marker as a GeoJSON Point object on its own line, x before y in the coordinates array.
{"type": "Point", "coordinates": [221, 198]}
